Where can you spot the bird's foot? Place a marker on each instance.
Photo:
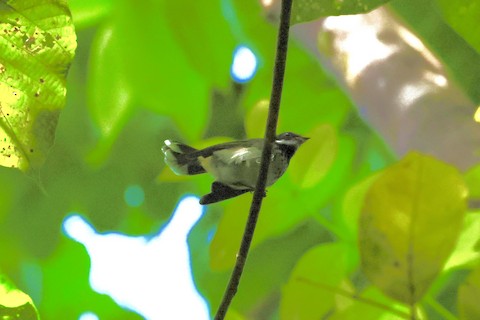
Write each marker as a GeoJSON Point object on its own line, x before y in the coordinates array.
{"type": "Point", "coordinates": [264, 193]}
{"type": "Point", "coordinates": [220, 192]}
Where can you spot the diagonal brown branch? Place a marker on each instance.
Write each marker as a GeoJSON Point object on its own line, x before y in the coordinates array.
{"type": "Point", "coordinates": [270, 133]}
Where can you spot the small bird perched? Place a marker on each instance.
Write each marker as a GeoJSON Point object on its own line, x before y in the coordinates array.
{"type": "Point", "coordinates": [234, 165]}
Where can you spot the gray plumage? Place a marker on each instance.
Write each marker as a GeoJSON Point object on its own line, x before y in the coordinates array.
{"type": "Point", "coordinates": [234, 165]}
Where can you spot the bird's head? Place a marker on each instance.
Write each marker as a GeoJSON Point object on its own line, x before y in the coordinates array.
{"type": "Point", "coordinates": [290, 142]}
{"type": "Point", "coordinates": [290, 139]}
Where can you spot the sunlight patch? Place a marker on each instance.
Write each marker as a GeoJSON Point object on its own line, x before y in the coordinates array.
{"type": "Point", "coordinates": [149, 276]}
{"type": "Point", "coordinates": [267, 3]}
{"type": "Point", "coordinates": [88, 316]}
{"type": "Point", "coordinates": [359, 42]}
{"type": "Point", "coordinates": [476, 116]}
{"type": "Point", "coordinates": [418, 45]}
{"type": "Point", "coordinates": [410, 93]}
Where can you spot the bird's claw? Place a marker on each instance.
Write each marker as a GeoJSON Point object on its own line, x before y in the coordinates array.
{"type": "Point", "coordinates": [264, 193]}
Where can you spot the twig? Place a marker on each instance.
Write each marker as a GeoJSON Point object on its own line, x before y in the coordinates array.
{"type": "Point", "coordinates": [270, 133]}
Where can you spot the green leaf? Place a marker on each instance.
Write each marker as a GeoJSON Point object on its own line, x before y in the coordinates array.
{"type": "Point", "coordinates": [109, 91]}
{"type": "Point", "coordinates": [157, 68]}
{"type": "Point", "coordinates": [14, 304]}
{"type": "Point", "coordinates": [472, 178]}
{"type": "Point", "coordinates": [352, 204]}
{"type": "Point", "coordinates": [256, 119]}
{"type": "Point", "coordinates": [307, 10]}
{"type": "Point", "coordinates": [310, 291]}
{"type": "Point", "coordinates": [370, 304]}
{"type": "Point", "coordinates": [468, 294]}
{"type": "Point", "coordinates": [233, 315]}
{"type": "Point", "coordinates": [314, 159]}
{"type": "Point", "coordinates": [409, 225]}
{"type": "Point", "coordinates": [306, 106]}
{"type": "Point", "coordinates": [467, 249]}
{"type": "Point", "coordinates": [314, 199]}
{"type": "Point", "coordinates": [203, 32]}
{"type": "Point", "coordinates": [227, 239]}
{"type": "Point", "coordinates": [87, 13]}
{"type": "Point", "coordinates": [38, 43]}
{"type": "Point", "coordinates": [463, 17]}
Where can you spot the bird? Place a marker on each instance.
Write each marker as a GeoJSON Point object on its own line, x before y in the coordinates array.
{"type": "Point", "coordinates": [234, 165]}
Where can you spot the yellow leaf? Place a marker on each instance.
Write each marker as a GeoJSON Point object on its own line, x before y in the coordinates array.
{"type": "Point", "coordinates": [468, 295]}
{"type": "Point", "coordinates": [14, 304]}
{"type": "Point", "coordinates": [256, 118]}
{"type": "Point", "coordinates": [37, 42]}
{"type": "Point", "coordinates": [410, 222]}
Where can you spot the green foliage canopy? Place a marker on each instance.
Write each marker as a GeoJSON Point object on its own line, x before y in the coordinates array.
{"type": "Point", "coordinates": [156, 70]}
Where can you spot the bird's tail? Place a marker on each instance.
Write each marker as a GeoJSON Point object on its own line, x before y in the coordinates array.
{"type": "Point", "coordinates": [179, 157]}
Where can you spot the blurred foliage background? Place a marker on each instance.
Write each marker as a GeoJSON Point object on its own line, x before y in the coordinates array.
{"type": "Point", "coordinates": [351, 231]}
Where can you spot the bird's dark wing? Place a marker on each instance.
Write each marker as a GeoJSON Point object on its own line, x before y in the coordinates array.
{"type": "Point", "coordinates": [234, 145]}
{"type": "Point", "coordinates": [233, 152]}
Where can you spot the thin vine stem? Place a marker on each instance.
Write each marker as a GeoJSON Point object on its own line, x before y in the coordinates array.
{"type": "Point", "coordinates": [270, 133]}
{"type": "Point", "coordinates": [350, 295]}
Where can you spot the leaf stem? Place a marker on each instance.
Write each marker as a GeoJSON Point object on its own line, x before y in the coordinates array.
{"type": "Point", "coordinates": [270, 133]}
{"type": "Point", "coordinates": [358, 298]}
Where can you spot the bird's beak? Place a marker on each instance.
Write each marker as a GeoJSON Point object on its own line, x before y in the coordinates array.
{"type": "Point", "coordinates": [303, 139]}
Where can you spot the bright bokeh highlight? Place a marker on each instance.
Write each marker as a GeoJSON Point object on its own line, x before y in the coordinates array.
{"type": "Point", "coordinates": [476, 117]}
{"type": "Point", "coordinates": [358, 35]}
{"type": "Point", "coordinates": [267, 3]}
{"type": "Point", "coordinates": [88, 316]}
{"type": "Point", "coordinates": [149, 276]}
{"type": "Point", "coordinates": [244, 64]}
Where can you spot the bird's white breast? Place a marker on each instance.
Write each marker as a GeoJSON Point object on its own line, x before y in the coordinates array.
{"type": "Point", "coordinates": [239, 168]}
